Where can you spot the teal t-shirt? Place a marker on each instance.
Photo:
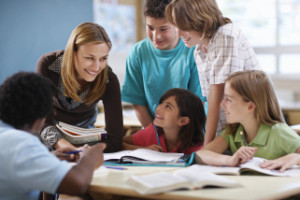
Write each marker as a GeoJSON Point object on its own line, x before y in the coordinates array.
{"type": "Point", "coordinates": [272, 141]}
{"type": "Point", "coordinates": [150, 72]}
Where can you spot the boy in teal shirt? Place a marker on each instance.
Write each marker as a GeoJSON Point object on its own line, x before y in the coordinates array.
{"type": "Point", "coordinates": [157, 64]}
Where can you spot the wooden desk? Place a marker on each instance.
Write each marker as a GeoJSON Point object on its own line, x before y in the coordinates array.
{"type": "Point", "coordinates": [291, 111]}
{"type": "Point", "coordinates": [254, 187]}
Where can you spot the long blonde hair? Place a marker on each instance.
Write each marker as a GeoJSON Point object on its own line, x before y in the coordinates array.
{"type": "Point", "coordinates": [85, 33]}
{"type": "Point", "coordinates": [255, 86]}
{"type": "Point", "coordinates": [203, 16]}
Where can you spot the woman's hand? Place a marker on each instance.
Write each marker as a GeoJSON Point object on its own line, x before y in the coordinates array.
{"type": "Point", "coordinates": [242, 155]}
{"type": "Point", "coordinates": [282, 163]}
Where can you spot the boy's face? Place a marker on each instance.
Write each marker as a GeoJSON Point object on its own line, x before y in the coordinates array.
{"type": "Point", "coordinates": [162, 34]}
{"type": "Point", "coordinates": [190, 38]}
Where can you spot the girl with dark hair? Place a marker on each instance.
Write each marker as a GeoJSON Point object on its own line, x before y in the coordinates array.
{"type": "Point", "coordinates": [178, 125]}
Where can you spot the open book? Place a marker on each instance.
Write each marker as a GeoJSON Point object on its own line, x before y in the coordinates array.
{"type": "Point", "coordinates": [186, 178]}
{"type": "Point", "coordinates": [250, 166]}
{"type": "Point", "coordinates": [77, 135]}
{"type": "Point", "coordinates": [147, 157]}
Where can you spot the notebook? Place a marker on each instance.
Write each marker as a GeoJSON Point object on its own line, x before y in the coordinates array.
{"type": "Point", "coordinates": [147, 157]}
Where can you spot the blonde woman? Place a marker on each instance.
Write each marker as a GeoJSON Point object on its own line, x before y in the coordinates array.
{"type": "Point", "coordinates": [221, 49]}
{"type": "Point", "coordinates": [255, 123]}
{"type": "Point", "coordinates": [82, 79]}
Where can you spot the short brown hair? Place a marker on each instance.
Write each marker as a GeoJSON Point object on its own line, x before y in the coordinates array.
{"type": "Point", "coordinates": [155, 8]}
{"type": "Point", "coordinates": [203, 16]}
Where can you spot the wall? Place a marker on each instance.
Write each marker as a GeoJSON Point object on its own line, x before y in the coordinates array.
{"type": "Point", "coordinates": [31, 28]}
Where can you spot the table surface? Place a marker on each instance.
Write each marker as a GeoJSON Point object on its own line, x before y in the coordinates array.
{"type": "Point", "coordinates": [254, 187]}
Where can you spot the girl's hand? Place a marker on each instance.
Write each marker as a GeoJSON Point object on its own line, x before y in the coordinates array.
{"type": "Point", "coordinates": [155, 147]}
{"type": "Point", "coordinates": [242, 155]}
{"type": "Point", "coordinates": [283, 163]}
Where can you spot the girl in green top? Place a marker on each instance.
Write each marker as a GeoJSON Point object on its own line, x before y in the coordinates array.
{"type": "Point", "coordinates": [255, 125]}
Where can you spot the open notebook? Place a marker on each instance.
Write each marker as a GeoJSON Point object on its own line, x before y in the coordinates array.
{"type": "Point", "coordinates": [146, 157]}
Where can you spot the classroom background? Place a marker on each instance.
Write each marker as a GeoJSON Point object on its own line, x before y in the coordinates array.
{"type": "Point", "coordinates": [34, 27]}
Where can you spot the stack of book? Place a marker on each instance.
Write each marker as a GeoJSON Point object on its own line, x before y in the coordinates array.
{"type": "Point", "coordinates": [77, 135]}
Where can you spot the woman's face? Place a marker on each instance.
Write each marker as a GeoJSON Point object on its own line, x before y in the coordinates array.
{"type": "Point", "coordinates": [90, 60]}
{"type": "Point", "coordinates": [190, 38]}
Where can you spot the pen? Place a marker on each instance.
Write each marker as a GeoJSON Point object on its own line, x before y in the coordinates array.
{"type": "Point", "coordinates": [156, 135]}
{"type": "Point", "coordinates": [73, 152]}
{"type": "Point", "coordinates": [243, 137]}
{"type": "Point", "coordinates": [119, 168]}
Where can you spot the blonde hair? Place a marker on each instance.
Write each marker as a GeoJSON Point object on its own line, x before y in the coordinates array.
{"type": "Point", "coordinates": [202, 16]}
{"type": "Point", "coordinates": [255, 86]}
{"type": "Point", "coordinates": [85, 33]}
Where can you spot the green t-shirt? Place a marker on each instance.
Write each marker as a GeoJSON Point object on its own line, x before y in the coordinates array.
{"type": "Point", "coordinates": [272, 141]}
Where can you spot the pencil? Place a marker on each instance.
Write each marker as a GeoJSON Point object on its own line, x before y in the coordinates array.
{"type": "Point", "coordinates": [243, 137]}
{"type": "Point", "coordinates": [73, 152]}
{"type": "Point", "coordinates": [112, 167]}
{"type": "Point", "coordinates": [156, 135]}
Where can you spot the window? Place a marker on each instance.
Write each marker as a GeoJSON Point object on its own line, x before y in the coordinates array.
{"type": "Point", "coordinates": [273, 29]}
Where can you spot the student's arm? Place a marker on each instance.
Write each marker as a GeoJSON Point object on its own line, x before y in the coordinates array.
{"type": "Point", "coordinates": [284, 162]}
{"type": "Point", "coordinates": [79, 177]}
{"type": "Point", "coordinates": [214, 99]}
{"type": "Point", "coordinates": [63, 143]}
{"type": "Point", "coordinates": [211, 154]}
{"type": "Point", "coordinates": [143, 115]}
{"type": "Point", "coordinates": [128, 145]}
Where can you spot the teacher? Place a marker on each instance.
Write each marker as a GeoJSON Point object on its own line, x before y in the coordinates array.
{"type": "Point", "coordinates": [82, 78]}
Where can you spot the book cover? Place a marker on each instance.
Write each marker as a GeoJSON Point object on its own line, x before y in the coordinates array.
{"type": "Point", "coordinates": [77, 135]}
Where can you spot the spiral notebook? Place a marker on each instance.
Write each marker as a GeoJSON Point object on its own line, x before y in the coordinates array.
{"type": "Point", "coordinates": [146, 157]}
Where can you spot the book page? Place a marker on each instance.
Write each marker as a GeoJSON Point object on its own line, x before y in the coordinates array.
{"type": "Point", "coordinates": [115, 155]}
{"type": "Point", "coordinates": [155, 156]}
{"type": "Point", "coordinates": [202, 178]}
{"type": "Point", "coordinates": [222, 170]}
{"type": "Point", "coordinates": [253, 164]}
{"type": "Point", "coordinates": [81, 131]}
{"type": "Point", "coordinates": [157, 182]}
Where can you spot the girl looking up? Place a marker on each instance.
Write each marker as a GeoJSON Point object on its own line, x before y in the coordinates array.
{"type": "Point", "coordinates": [82, 78]}
{"type": "Point", "coordinates": [255, 123]}
{"type": "Point", "coordinates": [221, 49]}
{"type": "Point", "coordinates": [178, 125]}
